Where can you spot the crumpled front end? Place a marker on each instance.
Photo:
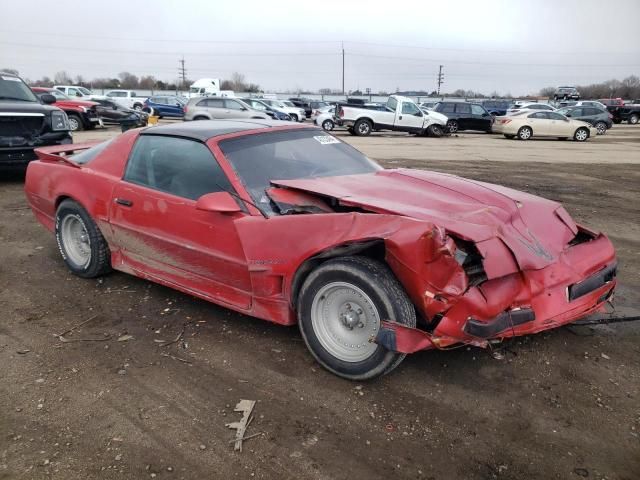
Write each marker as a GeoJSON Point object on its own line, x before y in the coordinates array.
{"type": "Point", "coordinates": [474, 310]}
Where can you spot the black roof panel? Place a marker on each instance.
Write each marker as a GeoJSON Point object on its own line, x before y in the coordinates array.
{"type": "Point", "coordinates": [203, 130]}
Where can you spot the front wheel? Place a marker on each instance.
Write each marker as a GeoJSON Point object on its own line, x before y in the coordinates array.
{"type": "Point", "coordinates": [362, 128]}
{"type": "Point", "coordinates": [75, 122]}
{"type": "Point", "coordinates": [525, 133]}
{"type": "Point", "coordinates": [137, 107]}
{"type": "Point", "coordinates": [453, 126]}
{"type": "Point", "coordinates": [351, 131]}
{"type": "Point", "coordinates": [328, 125]}
{"type": "Point", "coordinates": [340, 309]}
{"type": "Point", "coordinates": [581, 135]}
{"type": "Point", "coordinates": [435, 130]}
{"type": "Point", "coordinates": [83, 248]}
{"type": "Point", "coordinates": [633, 119]}
{"type": "Point", "coordinates": [601, 127]}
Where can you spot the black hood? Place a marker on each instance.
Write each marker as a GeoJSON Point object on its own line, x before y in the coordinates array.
{"type": "Point", "coordinates": [11, 106]}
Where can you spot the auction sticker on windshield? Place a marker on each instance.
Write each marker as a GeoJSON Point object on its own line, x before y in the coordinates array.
{"type": "Point", "coordinates": [12, 79]}
{"type": "Point", "coordinates": [326, 139]}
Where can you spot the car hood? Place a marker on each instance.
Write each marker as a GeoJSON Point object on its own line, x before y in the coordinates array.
{"type": "Point", "coordinates": [25, 107]}
{"type": "Point", "coordinates": [74, 103]}
{"type": "Point", "coordinates": [436, 116]}
{"type": "Point", "coordinates": [534, 229]}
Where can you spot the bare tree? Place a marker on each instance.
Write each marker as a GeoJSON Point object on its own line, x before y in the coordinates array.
{"type": "Point", "coordinates": [13, 71]}
{"type": "Point", "coordinates": [128, 80]}
{"type": "Point", "coordinates": [62, 78]}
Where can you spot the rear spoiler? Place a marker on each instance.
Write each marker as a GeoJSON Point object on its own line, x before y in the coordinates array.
{"type": "Point", "coordinates": [60, 153]}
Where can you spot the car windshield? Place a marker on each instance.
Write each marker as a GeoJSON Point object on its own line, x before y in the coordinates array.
{"type": "Point", "coordinates": [563, 111]}
{"type": "Point", "coordinates": [12, 88]}
{"type": "Point", "coordinates": [288, 104]}
{"type": "Point", "coordinates": [84, 91]}
{"type": "Point", "coordinates": [286, 155]}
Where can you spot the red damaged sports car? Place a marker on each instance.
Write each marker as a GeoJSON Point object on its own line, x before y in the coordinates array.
{"type": "Point", "coordinates": [290, 224]}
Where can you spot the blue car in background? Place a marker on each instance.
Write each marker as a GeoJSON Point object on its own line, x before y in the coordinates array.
{"type": "Point", "coordinates": [497, 108]}
{"type": "Point", "coordinates": [266, 108]}
{"type": "Point", "coordinates": [164, 106]}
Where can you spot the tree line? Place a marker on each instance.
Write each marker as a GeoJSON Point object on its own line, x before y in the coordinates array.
{"type": "Point", "coordinates": [627, 88]}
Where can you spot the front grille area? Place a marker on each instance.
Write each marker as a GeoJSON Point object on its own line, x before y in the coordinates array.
{"type": "Point", "coordinates": [13, 126]}
{"type": "Point", "coordinates": [470, 259]}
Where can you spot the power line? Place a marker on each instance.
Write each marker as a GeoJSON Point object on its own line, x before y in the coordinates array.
{"type": "Point", "coordinates": [182, 72]}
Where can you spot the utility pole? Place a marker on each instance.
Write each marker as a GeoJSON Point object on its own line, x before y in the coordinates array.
{"type": "Point", "coordinates": [440, 78]}
{"type": "Point", "coordinates": [182, 72]}
{"type": "Point", "coordinates": [342, 68]}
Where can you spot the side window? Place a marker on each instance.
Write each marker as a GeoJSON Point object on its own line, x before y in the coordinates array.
{"type": "Point", "coordinates": [232, 105]}
{"type": "Point", "coordinates": [463, 108]}
{"type": "Point", "coordinates": [477, 110]}
{"type": "Point", "coordinates": [178, 166]}
{"type": "Point", "coordinates": [556, 116]}
{"type": "Point", "coordinates": [539, 115]}
{"type": "Point", "coordinates": [74, 92]}
{"type": "Point", "coordinates": [211, 103]}
{"type": "Point", "coordinates": [410, 108]}
{"type": "Point", "coordinates": [448, 108]}
{"type": "Point", "coordinates": [578, 112]}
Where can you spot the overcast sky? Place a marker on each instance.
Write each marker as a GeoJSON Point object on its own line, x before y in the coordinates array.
{"type": "Point", "coordinates": [511, 46]}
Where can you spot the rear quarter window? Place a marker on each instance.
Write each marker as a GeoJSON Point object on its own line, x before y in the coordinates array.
{"type": "Point", "coordinates": [86, 156]}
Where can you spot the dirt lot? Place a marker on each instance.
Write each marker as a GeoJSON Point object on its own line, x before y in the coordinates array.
{"type": "Point", "coordinates": [560, 405]}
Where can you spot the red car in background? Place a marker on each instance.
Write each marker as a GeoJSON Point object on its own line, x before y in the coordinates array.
{"type": "Point", "coordinates": [290, 224]}
{"type": "Point", "coordinates": [82, 114]}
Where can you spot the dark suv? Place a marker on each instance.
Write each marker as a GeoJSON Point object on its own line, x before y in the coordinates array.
{"type": "Point", "coordinates": [304, 104]}
{"type": "Point", "coordinates": [599, 118]}
{"type": "Point", "coordinates": [465, 116]}
{"type": "Point", "coordinates": [496, 108]}
{"type": "Point", "coordinates": [26, 123]}
{"type": "Point", "coordinates": [566, 93]}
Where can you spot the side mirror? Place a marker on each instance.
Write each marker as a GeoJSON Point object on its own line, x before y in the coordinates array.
{"type": "Point", "coordinates": [78, 94]}
{"type": "Point", "coordinates": [418, 114]}
{"type": "Point", "coordinates": [568, 115]}
{"type": "Point", "coordinates": [48, 99]}
{"type": "Point", "coordinates": [221, 202]}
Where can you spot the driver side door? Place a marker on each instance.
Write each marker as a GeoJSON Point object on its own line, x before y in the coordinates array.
{"type": "Point", "coordinates": [409, 117]}
{"type": "Point", "coordinates": [158, 230]}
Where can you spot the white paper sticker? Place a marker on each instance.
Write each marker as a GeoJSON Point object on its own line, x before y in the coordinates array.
{"type": "Point", "coordinates": [326, 139]}
{"type": "Point", "coordinates": [11, 79]}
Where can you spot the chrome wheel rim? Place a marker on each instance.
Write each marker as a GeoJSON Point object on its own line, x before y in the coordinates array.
{"type": "Point", "coordinates": [75, 240]}
{"type": "Point", "coordinates": [363, 128]}
{"type": "Point", "coordinates": [327, 125]}
{"type": "Point", "coordinates": [581, 135]}
{"type": "Point", "coordinates": [74, 124]}
{"type": "Point", "coordinates": [525, 134]}
{"type": "Point", "coordinates": [602, 128]}
{"type": "Point", "coordinates": [453, 127]}
{"type": "Point", "coordinates": [344, 319]}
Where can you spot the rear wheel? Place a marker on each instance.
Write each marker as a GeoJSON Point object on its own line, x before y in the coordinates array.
{"type": "Point", "coordinates": [138, 107]}
{"type": "Point", "coordinates": [525, 133]}
{"type": "Point", "coordinates": [294, 117]}
{"type": "Point", "coordinates": [601, 127]}
{"type": "Point", "coordinates": [633, 119]}
{"type": "Point", "coordinates": [362, 128]}
{"type": "Point", "coordinates": [510, 137]}
{"type": "Point", "coordinates": [581, 135]}
{"type": "Point", "coordinates": [82, 246]}
{"type": "Point", "coordinates": [75, 122]}
{"type": "Point", "coordinates": [453, 126]}
{"type": "Point", "coordinates": [200, 117]}
{"type": "Point", "coordinates": [328, 125]}
{"type": "Point", "coordinates": [341, 307]}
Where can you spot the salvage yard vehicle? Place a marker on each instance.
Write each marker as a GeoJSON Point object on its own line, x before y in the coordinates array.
{"type": "Point", "coordinates": [599, 118]}
{"type": "Point", "coordinates": [297, 114]}
{"type": "Point", "coordinates": [465, 116]}
{"type": "Point", "coordinates": [74, 91]}
{"type": "Point", "coordinates": [625, 113]}
{"type": "Point", "coordinates": [527, 123]}
{"type": "Point", "coordinates": [530, 106]}
{"type": "Point", "coordinates": [27, 122]}
{"type": "Point", "coordinates": [289, 224]}
{"type": "Point", "coordinates": [211, 108]}
{"type": "Point", "coordinates": [400, 114]}
{"type": "Point", "coordinates": [112, 113]}
{"type": "Point", "coordinates": [82, 114]}
{"type": "Point", "coordinates": [126, 98]}
{"type": "Point", "coordinates": [164, 106]}
{"type": "Point", "coordinates": [566, 93]}
{"type": "Point", "coordinates": [326, 119]}
{"type": "Point", "coordinates": [261, 106]}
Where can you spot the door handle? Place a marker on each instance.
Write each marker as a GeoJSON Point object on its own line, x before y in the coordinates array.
{"type": "Point", "coordinates": [124, 202]}
{"type": "Point", "coordinates": [400, 117]}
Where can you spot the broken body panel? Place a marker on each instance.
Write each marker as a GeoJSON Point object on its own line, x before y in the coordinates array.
{"type": "Point", "coordinates": [478, 261]}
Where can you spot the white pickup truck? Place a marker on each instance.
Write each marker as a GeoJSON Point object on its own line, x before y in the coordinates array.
{"type": "Point", "coordinates": [400, 114]}
{"type": "Point", "coordinates": [126, 98]}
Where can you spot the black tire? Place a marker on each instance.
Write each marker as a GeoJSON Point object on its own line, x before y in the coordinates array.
{"type": "Point", "coordinates": [294, 117]}
{"type": "Point", "coordinates": [75, 122]}
{"type": "Point", "coordinates": [435, 130]}
{"type": "Point", "coordinates": [362, 128]}
{"type": "Point", "coordinates": [328, 125]}
{"type": "Point", "coordinates": [563, 138]}
{"type": "Point", "coordinates": [137, 106]}
{"type": "Point", "coordinates": [377, 282]}
{"type": "Point", "coordinates": [633, 119]}
{"type": "Point", "coordinates": [351, 131]}
{"type": "Point", "coordinates": [525, 133]}
{"type": "Point", "coordinates": [601, 127]}
{"type": "Point", "coordinates": [100, 260]}
{"type": "Point", "coordinates": [453, 126]}
{"type": "Point", "coordinates": [200, 117]}
{"type": "Point", "coordinates": [148, 110]}
{"type": "Point", "coordinates": [580, 136]}
{"type": "Point", "coordinates": [510, 137]}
